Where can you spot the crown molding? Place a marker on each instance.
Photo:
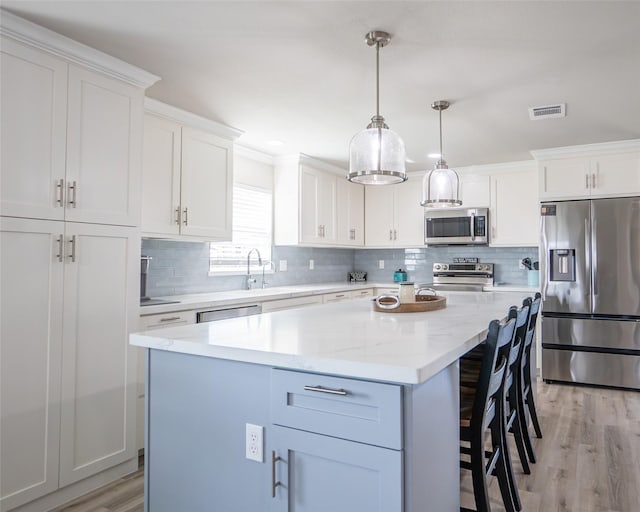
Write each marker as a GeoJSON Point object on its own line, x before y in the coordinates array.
{"type": "Point", "coordinates": [622, 146]}
{"type": "Point", "coordinates": [253, 154]}
{"type": "Point", "coordinates": [189, 118]}
{"type": "Point", "coordinates": [42, 38]}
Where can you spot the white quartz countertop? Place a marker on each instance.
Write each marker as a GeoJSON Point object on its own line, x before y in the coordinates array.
{"type": "Point", "coordinates": [237, 297]}
{"type": "Point", "coordinates": [346, 338]}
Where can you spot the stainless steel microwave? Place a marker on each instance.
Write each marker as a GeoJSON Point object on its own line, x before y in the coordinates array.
{"type": "Point", "coordinates": [460, 226]}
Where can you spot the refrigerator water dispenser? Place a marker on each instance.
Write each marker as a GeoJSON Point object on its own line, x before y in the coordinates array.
{"type": "Point", "coordinates": [563, 265]}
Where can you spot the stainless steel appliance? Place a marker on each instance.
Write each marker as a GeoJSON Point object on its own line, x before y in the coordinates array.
{"type": "Point", "coordinates": [462, 277]}
{"type": "Point", "coordinates": [224, 313]}
{"type": "Point", "coordinates": [590, 270]}
{"type": "Point", "coordinates": [460, 226]}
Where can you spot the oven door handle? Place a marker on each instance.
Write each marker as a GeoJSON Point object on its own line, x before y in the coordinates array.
{"type": "Point", "coordinates": [473, 227]}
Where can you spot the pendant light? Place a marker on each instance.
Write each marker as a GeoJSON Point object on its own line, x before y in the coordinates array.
{"type": "Point", "coordinates": [377, 154]}
{"type": "Point", "coordinates": [441, 186]}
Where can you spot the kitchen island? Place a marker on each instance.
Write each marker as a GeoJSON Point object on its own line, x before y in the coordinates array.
{"type": "Point", "coordinates": [359, 409]}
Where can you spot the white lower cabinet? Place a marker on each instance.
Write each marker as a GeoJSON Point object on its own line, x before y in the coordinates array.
{"type": "Point", "coordinates": [297, 302]}
{"type": "Point", "coordinates": [150, 323]}
{"type": "Point", "coordinates": [69, 301]}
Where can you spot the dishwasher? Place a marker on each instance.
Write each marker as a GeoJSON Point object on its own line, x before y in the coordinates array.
{"type": "Point", "coordinates": [222, 314]}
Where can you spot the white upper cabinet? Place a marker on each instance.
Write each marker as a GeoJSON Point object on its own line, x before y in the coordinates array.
{"type": "Point", "coordinates": [393, 215]}
{"type": "Point", "coordinates": [514, 214]}
{"type": "Point", "coordinates": [161, 176]}
{"type": "Point", "coordinates": [475, 190]}
{"type": "Point", "coordinates": [314, 205]}
{"type": "Point", "coordinates": [594, 170]}
{"type": "Point", "coordinates": [187, 183]}
{"type": "Point", "coordinates": [206, 193]}
{"type": "Point", "coordinates": [84, 131]}
{"type": "Point", "coordinates": [350, 213]}
{"type": "Point", "coordinates": [33, 132]}
{"type": "Point", "coordinates": [103, 150]}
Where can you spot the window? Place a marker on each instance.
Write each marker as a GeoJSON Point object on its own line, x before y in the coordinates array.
{"type": "Point", "coordinates": [252, 225]}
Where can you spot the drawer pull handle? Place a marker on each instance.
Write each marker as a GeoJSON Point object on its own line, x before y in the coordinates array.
{"type": "Point", "coordinates": [331, 391]}
{"type": "Point", "coordinates": [274, 482]}
{"type": "Point", "coordinates": [170, 319]}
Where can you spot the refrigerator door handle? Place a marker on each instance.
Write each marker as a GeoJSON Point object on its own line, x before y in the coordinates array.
{"type": "Point", "coordinates": [545, 277]}
{"type": "Point", "coordinates": [594, 260]}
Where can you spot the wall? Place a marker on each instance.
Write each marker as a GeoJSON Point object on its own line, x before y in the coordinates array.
{"type": "Point", "coordinates": [182, 267]}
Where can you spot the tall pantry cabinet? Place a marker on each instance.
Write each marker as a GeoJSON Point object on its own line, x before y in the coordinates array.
{"type": "Point", "coordinates": [70, 241]}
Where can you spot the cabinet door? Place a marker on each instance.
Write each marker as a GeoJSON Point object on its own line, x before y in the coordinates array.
{"type": "Point", "coordinates": [475, 190]}
{"type": "Point", "coordinates": [616, 175]}
{"type": "Point", "coordinates": [104, 149]}
{"type": "Point", "coordinates": [207, 185]}
{"type": "Point", "coordinates": [564, 178]}
{"type": "Point", "coordinates": [30, 351]}
{"type": "Point", "coordinates": [515, 213]}
{"type": "Point", "coordinates": [161, 177]}
{"type": "Point", "coordinates": [327, 207]}
{"type": "Point", "coordinates": [318, 473]}
{"type": "Point", "coordinates": [98, 366]}
{"type": "Point", "coordinates": [409, 215]}
{"type": "Point", "coordinates": [349, 213]}
{"type": "Point", "coordinates": [310, 221]}
{"type": "Point", "coordinates": [378, 215]}
{"type": "Point", "coordinates": [33, 132]}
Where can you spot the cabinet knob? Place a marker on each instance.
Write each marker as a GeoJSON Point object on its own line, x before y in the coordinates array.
{"type": "Point", "coordinates": [177, 215]}
{"type": "Point", "coordinates": [274, 482]}
{"type": "Point", "coordinates": [186, 216]}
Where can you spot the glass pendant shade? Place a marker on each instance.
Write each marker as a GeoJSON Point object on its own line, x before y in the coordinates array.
{"type": "Point", "coordinates": [377, 154]}
{"type": "Point", "coordinates": [377, 157]}
{"type": "Point", "coordinates": [440, 188]}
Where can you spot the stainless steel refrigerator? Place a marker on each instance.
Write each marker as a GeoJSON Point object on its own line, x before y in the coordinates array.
{"type": "Point", "coordinates": [590, 268]}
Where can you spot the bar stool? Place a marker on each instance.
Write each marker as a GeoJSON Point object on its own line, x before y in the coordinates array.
{"type": "Point", "coordinates": [482, 412]}
{"type": "Point", "coordinates": [525, 399]}
{"type": "Point", "coordinates": [469, 372]}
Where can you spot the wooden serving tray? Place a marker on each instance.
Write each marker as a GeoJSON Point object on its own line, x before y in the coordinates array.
{"type": "Point", "coordinates": [423, 303]}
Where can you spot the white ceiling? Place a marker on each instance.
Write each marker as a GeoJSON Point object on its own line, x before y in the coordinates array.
{"type": "Point", "coordinates": [301, 72]}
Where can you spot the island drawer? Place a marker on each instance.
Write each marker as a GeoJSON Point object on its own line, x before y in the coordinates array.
{"type": "Point", "coordinates": [364, 411]}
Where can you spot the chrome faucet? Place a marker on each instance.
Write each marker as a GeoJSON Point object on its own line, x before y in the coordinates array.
{"type": "Point", "coordinates": [251, 280]}
{"type": "Point", "coordinates": [272, 266]}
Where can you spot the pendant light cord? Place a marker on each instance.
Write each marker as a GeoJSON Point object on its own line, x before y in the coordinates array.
{"type": "Point", "coordinates": [378, 79]}
{"type": "Point", "coordinates": [441, 154]}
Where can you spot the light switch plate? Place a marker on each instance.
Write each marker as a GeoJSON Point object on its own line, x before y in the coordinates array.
{"type": "Point", "coordinates": [283, 265]}
{"type": "Point", "coordinates": [380, 264]}
{"type": "Point", "coordinates": [311, 264]}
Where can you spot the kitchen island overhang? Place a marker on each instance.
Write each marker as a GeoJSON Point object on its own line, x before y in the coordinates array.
{"type": "Point", "coordinates": [206, 381]}
{"type": "Point", "coordinates": [348, 339]}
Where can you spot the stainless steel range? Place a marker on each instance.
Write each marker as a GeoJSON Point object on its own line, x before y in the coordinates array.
{"type": "Point", "coordinates": [462, 277]}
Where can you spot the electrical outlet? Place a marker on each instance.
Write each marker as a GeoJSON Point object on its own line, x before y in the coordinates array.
{"type": "Point", "coordinates": [521, 265]}
{"type": "Point", "coordinates": [254, 442]}
{"type": "Point", "coordinates": [311, 264]}
{"type": "Point", "coordinates": [380, 264]}
{"type": "Point", "coordinates": [283, 265]}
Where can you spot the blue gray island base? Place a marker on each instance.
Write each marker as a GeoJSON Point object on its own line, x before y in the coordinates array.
{"type": "Point", "coordinates": [383, 447]}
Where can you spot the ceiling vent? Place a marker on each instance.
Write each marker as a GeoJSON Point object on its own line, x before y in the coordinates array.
{"type": "Point", "coordinates": [548, 111]}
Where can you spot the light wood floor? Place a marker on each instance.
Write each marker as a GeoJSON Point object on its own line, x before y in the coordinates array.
{"type": "Point", "coordinates": [588, 460]}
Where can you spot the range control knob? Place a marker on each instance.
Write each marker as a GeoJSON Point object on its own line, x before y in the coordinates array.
{"type": "Point", "coordinates": [445, 267]}
{"type": "Point", "coordinates": [436, 266]}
